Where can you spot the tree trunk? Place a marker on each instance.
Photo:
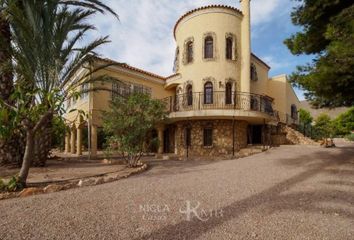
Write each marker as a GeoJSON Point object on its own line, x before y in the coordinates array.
{"type": "Point", "coordinates": [27, 158]}
{"type": "Point", "coordinates": [30, 144]}
{"type": "Point", "coordinates": [43, 143]}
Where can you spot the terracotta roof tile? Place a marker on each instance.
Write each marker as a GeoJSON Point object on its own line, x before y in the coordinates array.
{"type": "Point", "coordinates": [135, 69]}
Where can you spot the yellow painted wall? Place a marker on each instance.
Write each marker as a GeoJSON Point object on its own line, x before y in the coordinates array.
{"type": "Point", "coordinates": [101, 99]}
{"type": "Point", "coordinates": [260, 86]}
{"type": "Point", "coordinates": [219, 22]}
{"type": "Point", "coordinates": [284, 96]}
{"type": "Point", "coordinates": [216, 21]}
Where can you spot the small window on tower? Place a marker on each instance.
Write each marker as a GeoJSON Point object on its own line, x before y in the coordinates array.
{"type": "Point", "coordinates": [189, 52]}
{"type": "Point", "coordinates": [229, 43]}
{"type": "Point", "coordinates": [209, 47]}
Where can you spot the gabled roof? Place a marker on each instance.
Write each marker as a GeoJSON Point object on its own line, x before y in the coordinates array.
{"type": "Point", "coordinates": [260, 60]}
{"type": "Point", "coordinates": [203, 8]}
{"type": "Point", "coordinates": [127, 66]}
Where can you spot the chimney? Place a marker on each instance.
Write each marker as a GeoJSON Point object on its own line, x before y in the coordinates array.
{"type": "Point", "coordinates": [245, 46]}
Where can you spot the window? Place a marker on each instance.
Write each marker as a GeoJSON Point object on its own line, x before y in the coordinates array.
{"type": "Point", "coordinates": [189, 52]}
{"type": "Point", "coordinates": [188, 137]}
{"type": "Point", "coordinates": [84, 90]}
{"type": "Point", "coordinates": [229, 46]}
{"type": "Point", "coordinates": [208, 47]}
{"type": "Point", "coordinates": [254, 103]}
{"type": "Point", "coordinates": [120, 88]}
{"type": "Point", "coordinates": [208, 137]}
{"type": "Point", "coordinates": [293, 111]}
{"type": "Point", "coordinates": [268, 105]}
{"type": "Point", "coordinates": [208, 93]}
{"type": "Point", "coordinates": [254, 75]}
{"type": "Point", "coordinates": [228, 93]}
{"type": "Point", "coordinates": [189, 95]}
{"type": "Point", "coordinates": [175, 66]}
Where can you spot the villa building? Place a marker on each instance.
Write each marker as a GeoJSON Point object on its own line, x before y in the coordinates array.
{"type": "Point", "coordinates": [220, 99]}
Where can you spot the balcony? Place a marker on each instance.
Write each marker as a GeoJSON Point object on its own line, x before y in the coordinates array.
{"type": "Point", "coordinates": [221, 104]}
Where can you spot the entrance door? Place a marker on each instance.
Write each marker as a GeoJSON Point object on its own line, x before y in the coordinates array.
{"type": "Point", "coordinates": [166, 141]}
{"type": "Point", "coordinates": [255, 134]}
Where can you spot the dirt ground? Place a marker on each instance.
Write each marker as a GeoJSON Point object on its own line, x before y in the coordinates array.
{"type": "Point", "coordinates": [58, 170]}
{"type": "Point", "coordinates": [289, 192]}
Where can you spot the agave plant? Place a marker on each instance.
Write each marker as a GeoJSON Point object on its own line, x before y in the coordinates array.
{"type": "Point", "coordinates": [47, 53]}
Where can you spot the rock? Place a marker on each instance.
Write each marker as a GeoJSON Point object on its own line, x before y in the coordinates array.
{"type": "Point", "coordinates": [53, 188]}
{"type": "Point", "coordinates": [106, 161]}
{"type": "Point", "coordinates": [99, 181]}
{"type": "Point", "coordinates": [109, 179]}
{"type": "Point", "coordinates": [30, 192]}
{"type": "Point", "coordinates": [86, 182]}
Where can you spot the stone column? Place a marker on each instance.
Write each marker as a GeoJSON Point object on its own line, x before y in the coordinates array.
{"type": "Point", "coordinates": [93, 141]}
{"type": "Point", "coordinates": [177, 138]}
{"type": "Point", "coordinates": [160, 130]}
{"type": "Point", "coordinates": [245, 46]}
{"type": "Point", "coordinates": [79, 141]}
{"type": "Point", "coordinates": [67, 142]}
{"type": "Point", "coordinates": [72, 140]}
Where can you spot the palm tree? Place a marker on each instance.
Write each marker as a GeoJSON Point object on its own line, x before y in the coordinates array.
{"type": "Point", "coordinates": [11, 150]}
{"type": "Point", "coordinates": [47, 54]}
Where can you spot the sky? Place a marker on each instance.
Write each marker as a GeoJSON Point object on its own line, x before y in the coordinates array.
{"type": "Point", "coordinates": [143, 36]}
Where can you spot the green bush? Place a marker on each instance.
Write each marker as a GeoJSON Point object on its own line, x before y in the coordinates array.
{"type": "Point", "coordinates": [2, 186]}
{"type": "Point", "coordinates": [350, 137]}
{"type": "Point", "coordinates": [12, 186]}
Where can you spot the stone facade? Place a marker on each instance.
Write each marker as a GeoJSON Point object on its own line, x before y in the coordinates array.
{"type": "Point", "coordinates": [287, 135]}
{"type": "Point", "coordinates": [222, 137]}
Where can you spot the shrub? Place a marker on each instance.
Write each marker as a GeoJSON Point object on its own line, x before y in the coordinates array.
{"type": "Point", "coordinates": [2, 186]}
{"type": "Point", "coordinates": [350, 137]}
{"type": "Point", "coordinates": [12, 186]}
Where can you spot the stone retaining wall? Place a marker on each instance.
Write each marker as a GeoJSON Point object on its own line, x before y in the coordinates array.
{"type": "Point", "coordinates": [222, 137]}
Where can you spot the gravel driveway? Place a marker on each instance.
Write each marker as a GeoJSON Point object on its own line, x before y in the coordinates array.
{"type": "Point", "coordinates": [290, 192]}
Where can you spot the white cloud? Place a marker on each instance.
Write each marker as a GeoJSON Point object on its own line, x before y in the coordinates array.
{"type": "Point", "coordinates": [144, 37]}
{"type": "Point", "coordinates": [275, 64]}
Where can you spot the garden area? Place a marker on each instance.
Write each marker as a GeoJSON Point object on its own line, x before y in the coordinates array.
{"type": "Point", "coordinates": [324, 127]}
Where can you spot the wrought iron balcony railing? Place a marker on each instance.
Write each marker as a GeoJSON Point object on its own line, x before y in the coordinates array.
{"type": "Point", "coordinates": [229, 101]}
{"type": "Point", "coordinates": [220, 100]}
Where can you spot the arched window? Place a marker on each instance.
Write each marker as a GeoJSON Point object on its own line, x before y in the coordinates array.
{"type": "Point", "coordinates": [229, 43]}
{"type": "Point", "coordinates": [189, 52]}
{"type": "Point", "coordinates": [175, 66]}
{"type": "Point", "coordinates": [208, 47]}
{"type": "Point", "coordinates": [189, 95]}
{"type": "Point", "coordinates": [293, 111]}
{"type": "Point", "coordinates": [208, 93]}
{"type": "Point", "coordinates": [228, 93]}
{"type": "Point", "coordinates": [254, 75]}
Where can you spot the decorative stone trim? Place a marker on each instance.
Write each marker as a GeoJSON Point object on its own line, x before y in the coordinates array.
{"type": "Point", "coordinates": [186, 83]}
{"type": "Point", "coordinates": [234, 47]}
{"type": "Point", "coordinates": [185, 49]}
{"type": "Point", "coordinates": [235, 84]}
{"type": "Point", "coordinates": [179, 90]}
{"type": "Point", "coordinates": [213, 81]}
{"type": "Point", "coordinates": [215, 50]}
